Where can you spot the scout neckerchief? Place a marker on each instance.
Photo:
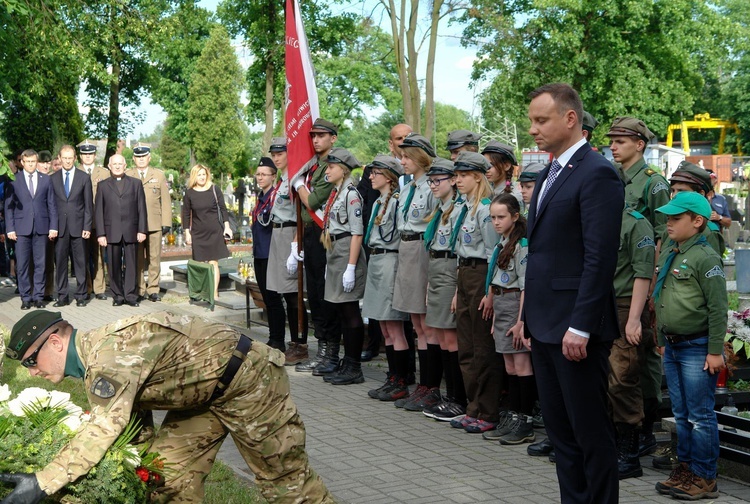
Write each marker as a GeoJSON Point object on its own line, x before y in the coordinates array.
{"type": "Point", "coordinates": [662, 276]}
{"type": "Point", "coordinates": [327, 212]}
{"type": "Point", "coordinates": [267, 203]}
{"type": "Point", "coordinates": [429, 233]}
{"type": "Point", "coordinates": [459, 223]}
{"type": "Point", "coordinates": [373, 215]}
{"type": "Point", "coordinates": [409, 197]}
{"type": "Point", "coordinates": [493, 263]}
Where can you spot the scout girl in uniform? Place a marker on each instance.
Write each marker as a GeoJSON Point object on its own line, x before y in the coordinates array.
{"type": "Point", "coordinates": [504, 290]}
{"type": "Point", "coordinates": [284, 222]}
{"type": "Point", "coordinates": [502, 163]}
{"type": "Point", "coordinates": [383, 239]}
{"type": "Point", "coordinates": [527, 182]}
{"type": "Point", "coordinates": [409, 295]}
{"type": "Point", "coordinates": [441, 275]}
{"type": "Point", "coordinates": [473, 238]}
{"type": "Point", "coordinates": [346, 265]}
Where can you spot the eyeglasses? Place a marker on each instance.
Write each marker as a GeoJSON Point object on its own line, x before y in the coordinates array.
{"type": "Point", "coordinates": [30, 361]}
{"type": "Point", "coordinates": [436, 181]}
{"type": "Point", "coordinates": [376, 173]}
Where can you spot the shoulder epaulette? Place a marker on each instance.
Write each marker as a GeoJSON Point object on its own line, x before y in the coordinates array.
{"type": "Point", "coordinates": [650, 171]}
{"type": "Point", "coordinates": [524, 242]}
{"type": "Point", "coordinates": [486, 201]}
{"type": "Point", "coordinates": [635, 213]}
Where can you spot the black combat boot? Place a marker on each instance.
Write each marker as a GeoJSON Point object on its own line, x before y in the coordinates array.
{"type": "Point", "coordinates": [351, 372]}
{"type": "Point", "coordinates": [628, 463]}
{"type": "Point", "coordinates": [330, 361]}
{"type": "Point", "coordinates": [310, 364]}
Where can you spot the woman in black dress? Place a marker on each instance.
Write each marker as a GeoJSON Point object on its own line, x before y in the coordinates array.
{"type": "Point", "coordinates": [202, 223]}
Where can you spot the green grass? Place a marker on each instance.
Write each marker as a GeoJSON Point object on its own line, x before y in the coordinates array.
{"type": "Point", "coordinates": [734, 300]}
{"type": "Point", "coordinates": [223, 486]}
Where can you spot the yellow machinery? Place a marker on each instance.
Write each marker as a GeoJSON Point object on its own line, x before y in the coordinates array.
{"type": "Point", "coordinates": [699, 122]}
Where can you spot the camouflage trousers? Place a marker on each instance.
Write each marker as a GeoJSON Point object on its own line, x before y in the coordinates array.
{"type": "Point", "coordinates": [259, 414]}
{"type": "Point", "coordinates": [626, 363]}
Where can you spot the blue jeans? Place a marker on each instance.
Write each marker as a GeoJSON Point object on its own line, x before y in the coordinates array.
{"type": "Point", "coordinates": [691, 390]}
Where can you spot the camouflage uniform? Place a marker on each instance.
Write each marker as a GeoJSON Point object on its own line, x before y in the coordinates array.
{"type": "Point", "coordinates": [171, 362]}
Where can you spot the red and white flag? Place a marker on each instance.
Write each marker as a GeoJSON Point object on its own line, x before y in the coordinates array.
{"type": "Point", "coordinates": [301, 94]}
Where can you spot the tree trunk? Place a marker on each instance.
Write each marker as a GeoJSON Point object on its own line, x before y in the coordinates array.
{"type": "Point", "coordinates": [270, 82]}
{"type": "Point", "coordinates": [413, 54]}
{"type": "Point", "coordinates": [397, 33]}
{"type": "Point", "coordinates": [113, 119]}
{"type": "Point", "coordinates": [429, 100]}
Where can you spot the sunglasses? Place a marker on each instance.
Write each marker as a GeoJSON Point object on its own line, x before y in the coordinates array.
{"type": "Point", "coordinates": [30, 361]}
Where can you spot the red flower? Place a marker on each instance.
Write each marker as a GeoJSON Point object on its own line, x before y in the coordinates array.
{"type": "Point", "coordinates": [142, 473]}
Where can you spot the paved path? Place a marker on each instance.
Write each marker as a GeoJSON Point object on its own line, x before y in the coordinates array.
{"type": "Point", "coordinates": [369, 452]}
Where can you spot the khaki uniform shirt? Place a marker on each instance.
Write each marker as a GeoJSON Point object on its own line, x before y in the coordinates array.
{"type": "Point", "coordinates": [512, 277]}
{"type": "Point", "coordinates": [442, 240]}
{"type": "Point", "coordinates": [159, 361]}
{"type": "Point", "coordinates": [346, 211]}
{"type": "Point", "coordinates": [284, 209]}
{"type": "Point", "coordinates": [421, 206]}
{"type": "Point", "coordinates": [693, 298]}
{"type": "Point", "coordinates": [476, 235]}
{"type": "Point", "coordinates": [645, 191]}
{"type": "Point", "coordinates": [158, 201]}
{"type": "Point", "coordinates": [635, 257]}
{"type": "Point", "coordinates": [385, 235]}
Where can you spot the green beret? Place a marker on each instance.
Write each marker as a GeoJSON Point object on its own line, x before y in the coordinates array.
{"type": "Point", "coordinates": [417, 140]}
{"type": "Point", "coordinates": [687, 202]}
{"type": "Point", "coordinates": [26, 331]}
{"type": "Point", "coordinates": [630, 126]}
{"type": "Point", "coordinates": [339, 155]}
{"type": "Point", "coordinates": [692, 174]}
{"type": "Point", "coordinates": [471, 161]}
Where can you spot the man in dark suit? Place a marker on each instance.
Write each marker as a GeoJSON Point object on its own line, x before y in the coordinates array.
{"type": "Point", "coordinates": [121, 224]}
{"type": "Point", "coordinates": [31, 220]}
{"type": "Point", "coordinates": [570, 312]}
{"type": "Point", "coordinates": [74, 209]}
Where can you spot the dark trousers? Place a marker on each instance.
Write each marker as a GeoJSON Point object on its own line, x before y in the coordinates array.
{"type": "Point", "coordinates": [31, 248]}
{"type": "Point", "coordinates": [324, 314]}
{"type": "Point", "coordinates": [274, 305]}
{"type": "Point", "coordinates": [480, 364]}
{"type": "Point", "coordinates": [292, 316]}
{"type": "Point", "coordinates": [75, 248]}
{"type": "Point", "coordinates": [573, 397]}
{"type": "Point", "coordinates": [123, 282]}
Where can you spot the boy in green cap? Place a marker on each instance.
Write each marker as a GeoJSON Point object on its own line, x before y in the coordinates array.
{"type": "Point", "coordinates": [691, 306]}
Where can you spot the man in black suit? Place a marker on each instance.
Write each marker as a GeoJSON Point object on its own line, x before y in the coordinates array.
{"type": "Point", "coordinates": [74, 210]}
{"type": "Point", "coordinates": [570, 312]}
{"type": "Point", "coordinates": [31, 220]}
{"type": "Point", "coordinates": [121, 224]}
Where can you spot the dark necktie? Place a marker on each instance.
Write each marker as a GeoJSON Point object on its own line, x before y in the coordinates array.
{"type": "Point", "coordinates": [373, 216]}
{"type": "Point", "coordinates": [31, 184]}
{"type": "Point", "coordinates": [67, 183]}
{"type": "Point", "coordinates": [554, 171]}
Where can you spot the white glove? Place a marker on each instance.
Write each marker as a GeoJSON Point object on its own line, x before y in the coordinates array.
{"type": "Point", "coordinates": [298, 182]}
{"type": "Point", "coordinates": [298, 256]}
{"type": "Point", "coordinates": [349, 277]}
{"type": "Point", "coordinates": [291, 262]}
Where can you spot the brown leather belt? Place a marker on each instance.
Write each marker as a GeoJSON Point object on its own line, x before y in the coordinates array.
{"type": "Point", "coordinates": [499, 291]}
{"type": "Point", "coordinates": [378, 251]}
{"type": "Point", "coordinates": [442, 254]}
{"type": "Point", "coordinates": [471, 261]}
{"type": "Point", "coordinates": [238, 357]}
{"type": "Point", "coordinates": [340, 236]}
{"type": "Point", "coordinates": [679, 338]}
{"type": "Point", "coordinates": [277, 225]}
{"type": "Point", "coordinates": [411, 236]}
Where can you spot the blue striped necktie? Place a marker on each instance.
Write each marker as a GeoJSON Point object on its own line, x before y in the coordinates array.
{"type": "Point", "coordinates": [554, 171]}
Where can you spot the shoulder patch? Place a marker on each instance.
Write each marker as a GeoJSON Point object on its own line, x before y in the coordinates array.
{"type": "Point", "coordinates": [646, 241]}
{"type": "Point", "coordinates": [524, 242]}
{"type": "Point", "coordinates": [661, 186]}
{"type": "Point", "coordinates": [635, 213]}
{"type": "Point", "coordinates": [715, 271]}
{"type": "Point", "coordinates": [104, 387]}
{"type": "Point", "coordinates": [486, 201]}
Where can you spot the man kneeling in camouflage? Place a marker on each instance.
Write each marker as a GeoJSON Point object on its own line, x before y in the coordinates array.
{"type": "Point", "coordinates": [212, 380]}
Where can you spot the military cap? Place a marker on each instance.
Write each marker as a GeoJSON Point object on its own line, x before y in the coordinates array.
{"type": "Point", "coordinates": [501, 148]}
{"type": "Point", "coordinates": [589, 122]}
{"type": "Point", "coordinates": [323, 126]}
{"type": "Point", "coordinates": [268, 163]}
{"type": "Point", "coordinates": [531, 172]}
{"type": "Point", "coordinates": [630, 126]}
{"type": "Point", "coordinates": [692, 174]}
{"type": "Point", "coordinates": [417, 140]}
{"type": "Point", "coordinates": [471, 161]}
{"type": "Point", "coordinates": [45, 156]}
{"type": "Point", "coordinates": [26, 331]}
{"type": "Point", "coordinates": [87, 147]}
{"type": "Point", "coordinates": [141, 149]}
{"type": "Point", "coordinates": [686, 201]}
{"type": "Point", "coordinates": [457, 138]}
{"type": "Point", "coordinates": [339, 155]}
{"type": "Point", "coordinates": [383, 162]}
{"type": "Point", "coordinates": [442, 166]}
{"type": "Point", "coordinates": [278, 144]}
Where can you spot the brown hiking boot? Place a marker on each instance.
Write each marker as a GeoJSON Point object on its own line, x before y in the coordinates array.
{"type": "Point", "coordinates": [675, 479]}
{"type": "Point", "coordinates": [693, 487]}
{"type": "Point", "coordinates": [296, 352]}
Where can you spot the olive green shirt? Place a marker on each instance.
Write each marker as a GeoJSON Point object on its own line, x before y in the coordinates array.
{"type": "Point", "coordinates": [635, 257]}
{"type": "Point", "coordinates": [318, 187]}
{"type": "Point", "coordinates": [645, 191]}
{"type": "Point", "coordinates": [693, 298]}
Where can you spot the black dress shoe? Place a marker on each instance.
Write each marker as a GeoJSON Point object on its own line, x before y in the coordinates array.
{"type": "Point", "coordinates": [132, 303]}
{"type": "Point", "coordinates": [367, 356]}
{"type": "Point", "coordinates": [81, 302]}
{"type": "Point", "coordinates": [117, 302]}
{"type": "Point", "coordinates": [48, 299]}
{"type": "Point", "coordinates": [552, 457]}
{"type": "Point", "coordinates": [39, 304]}
{"type": "Point", "coordinates": [543, 447]}
{"type": "Point", "coordinates": [25, 305]}
{"type": "Point", "coordinates": [101, 297]}
{"type": "Point", "coordinates": [154, 298]}
{"type": "Point", "coordinates": [60, 303]}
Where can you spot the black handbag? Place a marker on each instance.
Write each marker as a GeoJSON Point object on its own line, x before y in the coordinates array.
{"type": "Point", "coordinates": [231, 220]}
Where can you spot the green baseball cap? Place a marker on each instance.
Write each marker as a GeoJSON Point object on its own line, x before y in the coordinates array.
{"type": "Point", "coordinates": [27, 330]}
{"type": "Point", "coordinates": [687, 202]}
